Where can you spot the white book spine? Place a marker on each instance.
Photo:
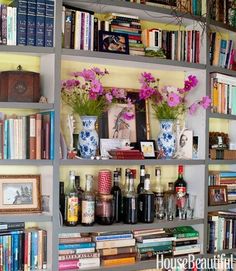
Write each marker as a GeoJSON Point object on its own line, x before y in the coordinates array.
{"type": "Point", "coordinates": [9, 25]}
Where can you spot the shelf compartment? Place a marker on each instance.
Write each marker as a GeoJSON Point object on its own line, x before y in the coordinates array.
{"type": "Point", "coordinates": [130, 61]}
{"type": "Point", "coordinates": [148, 162]}
{"type": "Point", "coordinates": [25, 218]}
{"type": "Point", "coordinates": [221, 70]}
{"type": "Point", "coordinates": [221, 162]}
{"type": "Point", "coordinates": [222, 207]}
{"type": "Point", "coordinates": [28, 162]}
{"type": "Point", "coordinates": [221, 116]}
{"type": "Point", "coordinates": [39, 106]}
{"type": "Point", "coordinates": [144, 12]}
{"type": "Point", "coordinates": [27, 50]}
{"type": "Point", "coordinates": [130, 227]}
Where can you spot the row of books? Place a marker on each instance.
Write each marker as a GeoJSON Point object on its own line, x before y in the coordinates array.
{"type": "Point", "coordinates": [22, 249]}
{"type": "Point", "coordinates": [221, 51]}
{"type": "Point", "coordinates": [195, 7]}
{"type": "Point", "coordinates": [221, 231]}
{"type": "Point", "coordinates": [27, 23]}
{"type": "Point", "coordinates": [226, 178]}
{"type": "Point", "coordinates": [223, 11]}
{"type": "Point", "coordinates": [115, 248]}
{"type": "Point", "coordinates": [223, 94]}
{"type": "Point", "coordinates": [27, 137]}
{"type": "Point", "coordinates": [177, 45]}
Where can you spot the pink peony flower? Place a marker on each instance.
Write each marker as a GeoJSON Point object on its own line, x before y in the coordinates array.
{"type": "Point", "coordinates": [192, 108]}
{"type": "Point", "coordinates": [118, 93]}
{"type": "Point", "coordinates": [109, 97]}
{"type": "Point", "coordinates": [173, 99]}
{"type": "Point", "coordinates": [205, 102]}
{"type": "Point", "coordinates": [193, 80]}
{"type": "Point", "coordinates": [128, 115]}
{"type": "Point", "coordinates": [98, 71]}
{"type": "Point", "coordinates": [75, 74]}
{"type": "Point", "coordinates": [146, 77]}
{"type": "Point", "coordinates": [95, 86]}
{"type": "Point", "coordinates": [146, 93]}
{"type": "Point", "coordinates": [88, 75]}
{"type": "Point", "coordinates": [187, 86]}
{"type": "Point", "coordinates": [92, 95]}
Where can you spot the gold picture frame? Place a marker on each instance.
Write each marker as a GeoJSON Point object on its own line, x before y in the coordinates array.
{"type": "Point", "coordinates": [20, 193]}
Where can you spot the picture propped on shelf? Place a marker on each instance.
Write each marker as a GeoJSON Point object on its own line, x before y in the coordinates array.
{"type": "Point", "coordinates": [20, 193]}
{"type": "Point", "coordinates": [147, 147]}
{"type": "Point", "coordinates": [112, 42]}
{"type": "Point", "coordinates": [217, 195]}
{"type": "Point", "coordinates": [114, 125]}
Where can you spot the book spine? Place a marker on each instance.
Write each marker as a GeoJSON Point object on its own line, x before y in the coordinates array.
{"type": "Point", "coordinates": [40, 22]}
{"type": "Point", "coordinates": [52, 125]}
{"type": "Point", "coordinates": [111, 262]}
{"type": "Point", "coordinates": [78, 256]}
{"type": "Point", "coordinates": [31, 22]}
{"type": "Point", "coordinates": [32, 137]}
{"type": "Point", "coordinates": [81, 263]}
{"type": "Point", "coordinates": [34, 250]}
{"type": "Point", "coordinates": [45, 251]}
{"type": "Point", "coordinates": [9, 26]}
{"type": "Point", "coordinates": [113, 237]}
{"type": "Point", "coordinates": [15, 250]}
{"type": "Point", "coordinates": [78, 250]}
{"type": "Point", "coordinates": [75, 240]}
{"type": "Point", "coordinates": [0, 27]}
{"type": "Point", "coordinates": [21, 22]}
{"type": "Point", "coordinates": [76, 246]}
{"type": "Point", "coordinates": [21, 252]}
{"type": "Point", "coordinates": [4, 24]}
{"type": "Point", "coordinates": [115, 251]}
{"type": "Point", "coordinates": [49, 23]}
{"type": "Point", "coordinates": [38, 131]}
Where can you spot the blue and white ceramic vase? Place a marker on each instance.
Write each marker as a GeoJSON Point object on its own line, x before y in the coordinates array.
{"type": "Point", "coordinates": [166, 139]}
{"type": "Point", "coordinates": [88, 137]}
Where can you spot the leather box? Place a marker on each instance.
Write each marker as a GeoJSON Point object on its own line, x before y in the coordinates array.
{"type": "Point", "coordinates": [19, 86]}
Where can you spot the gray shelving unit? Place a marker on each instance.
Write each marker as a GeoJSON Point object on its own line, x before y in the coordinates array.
{"type": "Point", "coordinates": [51, 63]}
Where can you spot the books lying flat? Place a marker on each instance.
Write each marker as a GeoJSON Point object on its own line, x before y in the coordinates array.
{"type": "Point", "coordinates": [79, 264]}
{"type": "Point", "coordinates": [115, 251]}
{"type": "Point", "coordinates": [110, 262]}
{"type": "Point", "coordinates": [116, 243]}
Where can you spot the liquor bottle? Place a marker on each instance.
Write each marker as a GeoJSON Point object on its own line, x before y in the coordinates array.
{"type": "Point", "coordinates": [140, 186]}
{"type": "Point", "coordinates": [71, 202]}
{"type": "Point", "coordinates": [117, 197]}
{"type": "Point", "coordinates": [62, 201]}
{"type": "Point", "coordinates": [146, 202]}
{"type": "Point", "coordinates": [80, 192]}
{"type": "Point", "coordinates": [130, 203]}
{"type": "Point", "coordinates": [88, 203]}
{"type": "Point", "coordinates": [126, 184]}
{"type": "Point", "coordinates": [158, 191]}
{"type": "Point", "coordinates": [180, 188]}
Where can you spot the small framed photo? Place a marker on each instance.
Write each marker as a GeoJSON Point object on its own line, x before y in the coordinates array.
{"type": "Point", "coordinates": [217, 195]}
{"type": "Point", "coordinates": [20, 193]}
{"type": "Point", "coordinates": [185, 147]}
{"type": "Point", "coordinates": [112, 42]}
{"type": "Point", "coordinates": [147, 147]}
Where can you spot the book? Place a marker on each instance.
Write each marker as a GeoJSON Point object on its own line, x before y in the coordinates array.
{"type": "Point", "coordinates": [31, 23]}
{"type": "Point", "coordinates": [117, 243]}
{"type": "Point", "coordinates": [74, 240]}
{"type": "Point", "coordinates": [76, 246]}
{"type": "Point", "coordinates": [115, 251]}
{"type": "Point", "coordinates": [113, 237]}
{"type": "Point", "coordinates": [40, 23]}
{"type": "Point", "coordinates": [80, 263]}
{"type": "Point", "coordinates": [110, 262]}
{"type": "Point", "coordinates": [78, 256]}
{"type": "Point", "coordinates": [49, 23]}
{"type": "Point", "coordinates": [21, 22]}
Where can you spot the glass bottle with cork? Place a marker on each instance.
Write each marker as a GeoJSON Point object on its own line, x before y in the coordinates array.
{"type": "Point", "coordinates": [80, 192]}
{"type": "Point", "coordinates": [88, 203]}
{"type": "Point", "coordinates": [180, 188]}
{"type": "Point", "coordinates": [140, 186]}
{"type": "Point", "coordinates": [158, 191]}
{"type": "Point", "coordinates": [117, 197]}
{"type": "Point", "coordinates": [71, 202]}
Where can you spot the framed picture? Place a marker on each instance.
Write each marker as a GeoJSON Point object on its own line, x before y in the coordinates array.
{"type": "Point", "coordinates": [20, 193]}
{"type": "Point", "coordinates": [185, 144]}
{"type": "Point", "coordinates": [147, 147]}
{"type": "Point", "coordinates": [217, 195]}
{"type": "Point", "coordinates": [113, 42]}
{"type": "Point", "coordinates": [162, 2]}
{"type": "Point", "coordinates": [112, 126]}
{"type": "Point", "coordinates": [109, 144]}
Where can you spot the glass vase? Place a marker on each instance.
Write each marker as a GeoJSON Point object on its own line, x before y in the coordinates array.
{"type": "Point", "coordinates": [88, 137]}
{"type": "Point", "coordinates": [166, 140]}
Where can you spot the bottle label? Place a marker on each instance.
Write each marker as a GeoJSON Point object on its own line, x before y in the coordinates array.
{"type": "Point", "coordinates": [72, 209]}
{"type": "Point", "coordinates": [133, 204]}
{"type": "Point", "coordinates": [103, 209]}
{"type": "Point", "coordinates": [180, 194]}
{"type": "Point", "coordinates": [87, 211]}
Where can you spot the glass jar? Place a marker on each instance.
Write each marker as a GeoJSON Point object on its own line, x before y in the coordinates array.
{"type": "Point", "coordinates": [104, 209]}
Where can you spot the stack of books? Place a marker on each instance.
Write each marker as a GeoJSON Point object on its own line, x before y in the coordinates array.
{"type": "Point", "coordinates": [221, 231]}
{"type": "Point", "coordinates": [116, 247]}
{"type": "Point", "coordinates": [221, 51]}
{"type": "Point", "coordinates": [77, 250]}
{"type": "Point", "coordinates": [227, 178]}
{"type": "Point", "coordinates": [223, 94]}
{"type": "Point", "coordinates": [130, 25]}
{"type": "Point", "coordinates": [28, 247]}
{"type": "Point", "coordinates": [186, 241]}
{"type": "Point", "coordinates": [126, 154]}
{"type": "Point", "coordinates": [153, 242]}
{"type": "Point", "coordinates": [27, 23]}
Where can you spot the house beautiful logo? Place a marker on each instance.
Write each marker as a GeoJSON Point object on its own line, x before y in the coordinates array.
{"type": "Point", "coordinates": [218, 262]}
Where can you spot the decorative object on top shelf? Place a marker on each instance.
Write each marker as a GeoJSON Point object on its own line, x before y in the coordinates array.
{"type": "Point", "coordinates": [88, 98]}
{"type": "Point", "coordinates": [217, 195]}
{"type": "Point", "coordinates": [20, 193]}
{"type": "Point", "coordinates": [19, 86]}
{"type": "Point", "coordinates": [169, 103]}
{"type": "Point", "coordinates": [147, 147]}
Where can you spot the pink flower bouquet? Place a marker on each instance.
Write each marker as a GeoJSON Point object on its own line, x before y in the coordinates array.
{"type": "Point", "coordinates": [170, 102]}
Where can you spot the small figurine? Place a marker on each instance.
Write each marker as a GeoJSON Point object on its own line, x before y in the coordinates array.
{"type": "Point", "coordinates": [43, 100]}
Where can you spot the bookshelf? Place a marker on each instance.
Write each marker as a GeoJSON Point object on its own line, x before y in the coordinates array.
{"type": "Point", "coordinates": [51, 66]}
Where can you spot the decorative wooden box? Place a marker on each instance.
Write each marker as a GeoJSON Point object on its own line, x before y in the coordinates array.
{"type": "Point", "coordinates": [19, 86]}
{"type": "Point", "coordinates": [221, 154]}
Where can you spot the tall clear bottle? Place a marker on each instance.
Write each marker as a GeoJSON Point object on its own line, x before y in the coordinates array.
{"type": "Point", "coordinates": [88, 203]}
{"type": "Point", "coordinates": [158, 191]}
{"type": "Point", "coordinates": [146, 202]}
{"type": "Point", "coordinates": [130, 203]}
{"type": "Point", "coordinates": [80, 193]}
{"type": "Point", "coordinates": [140, 186]}
{"type": "Point", "coordinates": [71, 202]}
{"type": "Point", "coordinates": [117, 197]}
